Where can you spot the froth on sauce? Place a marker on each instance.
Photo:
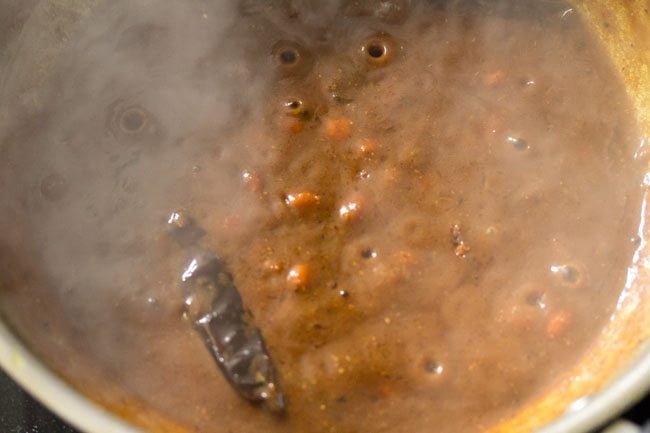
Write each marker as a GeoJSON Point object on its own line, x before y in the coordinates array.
{"type": "Point", "coordinates": [428, 207]}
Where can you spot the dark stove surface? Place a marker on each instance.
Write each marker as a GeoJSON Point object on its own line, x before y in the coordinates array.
{"type": "Point", "coordinates": [19, 413]}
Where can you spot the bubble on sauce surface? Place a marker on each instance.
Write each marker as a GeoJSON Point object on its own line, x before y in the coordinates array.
{"type": "Point", "coordinates": [291, 58]}
{"type": "Point", "coordinates": [536, 299]}
{"type": "Point", "coordinates": [433, 368]}
{"type": "Point", "coordinates": [295, 107]}
{"type": "Point", "coordinates": [379, 50]}
{"type": "Point", "coordinates": [133, 120]}
{"type": "Point", "coordinates": [528, 83]}
{"type": "Point", "coordinates": [570, 275]}
{"type": "Point", "coordinates": [518, 143]}
{"type": "Point", "coordinates": [54, 187]}
{"type": "Point", "coordinates": [130, 122]}
{"type": "Point", "coordinates": [288, 57]}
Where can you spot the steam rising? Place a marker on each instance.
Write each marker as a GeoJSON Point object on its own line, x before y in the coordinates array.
{"type": "Point", "coordinates": [115, 115]}
{"type": "Point", "coordinates": [123, 103]}
{"type": "Point", "coordinates": [116, 119]}
{"type": "Point", "coordinates": [127, 102]}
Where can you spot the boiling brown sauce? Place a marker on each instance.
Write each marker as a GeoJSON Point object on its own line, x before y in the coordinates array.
{"type": "Point", "coordinates": [428, 207]}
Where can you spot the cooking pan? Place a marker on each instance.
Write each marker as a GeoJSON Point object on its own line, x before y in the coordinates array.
{"type": "Point", "coordinates": [614, 374]}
